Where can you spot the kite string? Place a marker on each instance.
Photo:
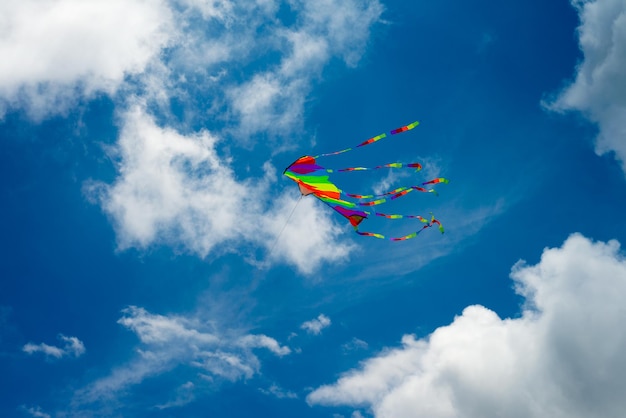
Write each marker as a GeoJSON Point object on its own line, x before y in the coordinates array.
{"type": "Point", "coordinates": [284, 226]}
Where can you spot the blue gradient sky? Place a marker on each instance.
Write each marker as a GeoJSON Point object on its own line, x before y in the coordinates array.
{"type": "Point", "coordinates": [141, 194]}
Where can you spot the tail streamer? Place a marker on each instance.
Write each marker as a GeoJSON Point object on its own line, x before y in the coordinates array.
{"type": "Point", "coordinates": [373, 139]}
{"type": "Point", "coordinates": [399, 192]}
{"type": "Point", "coordinates": [416, 166]}
{"type": "Point", "coordinates": [427, 224]}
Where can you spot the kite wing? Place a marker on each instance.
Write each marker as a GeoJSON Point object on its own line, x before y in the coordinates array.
{"type": "Point", "coordinates": [303, 172]}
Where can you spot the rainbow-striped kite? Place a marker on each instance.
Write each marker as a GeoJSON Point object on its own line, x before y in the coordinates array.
{"type": "Point", "coordinates": [314, 179]}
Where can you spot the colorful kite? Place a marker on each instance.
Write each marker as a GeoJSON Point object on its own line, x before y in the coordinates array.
{"type": "Point", "coordinates": [313, 179]}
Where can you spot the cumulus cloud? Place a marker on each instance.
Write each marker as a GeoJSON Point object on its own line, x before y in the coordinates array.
{"type": "Point", "coordinates": [599, 88]}
{"type": "Point", "coordinates": [54, 51]}
{"type": "Point", "coordinates": [176, 190]}
{"type": "Point", "coordinates": [311, 236]}
{"type": "Point", "coordinates": [563, 357]}
{"type": "Point", "coordinates": [72, 347]}
{"type": "Point", "coordinates": [315, 326]}
{"type": "Point", "coordinates": [174, 187]}
{"type": "Point", "coordinates": [169, 341]}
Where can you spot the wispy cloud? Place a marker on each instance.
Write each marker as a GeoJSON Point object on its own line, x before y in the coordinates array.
{"type": "Point", "coordinates": [273, 100]}
{"type": "Point", "coordinates": [278, 392]}
{"type": "Point", "coordinates": [561, 357]}
{"type": "Point", "coordinates": [430, 169]}
{"type": "Point", "coordinates": [355, 344]}
{"type": "Point", "coordinates": [35, 411]}
{"type": "Point", "coordinates": [175, 340]}
{"type": "Point", "coordinates": [430, 245]}
{"type": "Point", "coordinates": [72, 347]}
{"type": "Point", "coordinates": [184, 395]}
{"type": "Point", "coordinates": [598, 90]}
{"type": "Point", "coordinates": [316, 325]}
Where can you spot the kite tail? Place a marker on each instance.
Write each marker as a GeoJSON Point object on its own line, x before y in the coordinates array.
{"type": "Point", "coordinates": [368, 234]}
{"type": "Point", "coordinates": [399, 192]}
{"type": "Point", "coordinates": [416, 166]}
{"type": "Point", "coordinates": [427, 224]}
{"type": "Point", "coordinates": [436, 181]}
{"type": "Point", "coordinates": [396, 216]}
{"type": "Point", "coordinates": [373, 139]}
{"type": "Point", "coordinates": [395, 193]}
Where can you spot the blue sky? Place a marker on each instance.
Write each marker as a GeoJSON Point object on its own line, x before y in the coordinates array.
{"type": "Point", "coordinates": [142, 144]}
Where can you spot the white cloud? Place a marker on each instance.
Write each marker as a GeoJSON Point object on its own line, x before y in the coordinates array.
{"type": "Point", "coordinates": [169, 341]}
{"type": "Point", "coordinates": [345, 24]}
{"type": "Point", "coordinates": [176, 190]}
{"type": "Point", "coordinates": [54, 51]}
{"type": "Point", "coordinates": [311, 236]}
{"type": "Point", "coordinates": [562, 358]}
{"type": "Point", "coordinates": [273, 100]}
{"type": "Point", "coordinates": [355, 344]}
{"type": "Point", "coordinates": [184, 395]}
{"type": "Point", "coordinates": [278, 392]}
{"type": "Point", "coordinates": [73, 347]}
{"type": "Point", "coordinates": [599, 89]}
{"type": "Point", "coordinates": [58, 51]}
{"type": "Point", "coordinates": [355, 414]}
{"type": "Point", "coordinates": [268, 103]}
{"type": "Point", "coordinates": [263, 341]}
{"type": "Point", "coordinates": [35, 412]}
{"type": "Point", "coordinates": [158, 329]}
{"type": "Point", "coordinates": [315, 326]}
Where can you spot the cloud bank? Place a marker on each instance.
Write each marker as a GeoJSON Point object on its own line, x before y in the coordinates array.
{"type": "Point", "coordinates": [563, 357]}
{"type": "Point", "coordinates": [599, 88]}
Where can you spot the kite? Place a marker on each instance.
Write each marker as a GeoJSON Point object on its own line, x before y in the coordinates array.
{"type": "Point", "coordinates": [313, 179]}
